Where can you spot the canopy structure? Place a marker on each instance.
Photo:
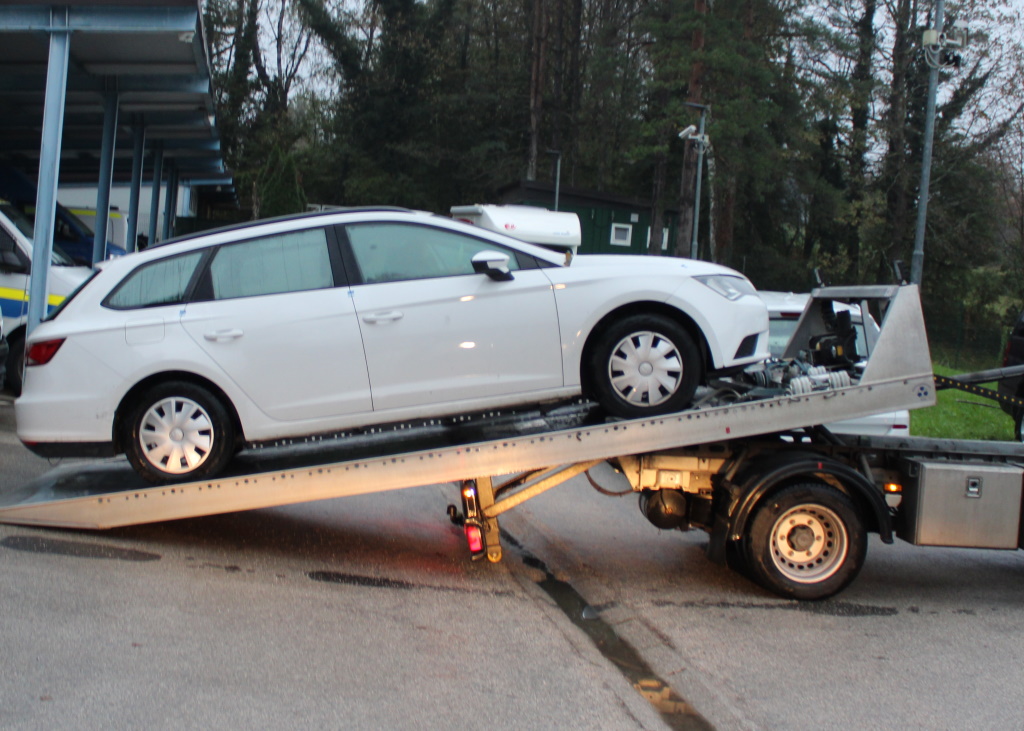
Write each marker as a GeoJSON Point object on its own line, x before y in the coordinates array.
{"type": "Point", "coordinates": [99, 91]}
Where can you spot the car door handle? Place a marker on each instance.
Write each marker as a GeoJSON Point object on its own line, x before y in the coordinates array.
{"type": "Point", "coordinates": [218, 336]}
{"type": "Point", "coordinates": [383, 317]}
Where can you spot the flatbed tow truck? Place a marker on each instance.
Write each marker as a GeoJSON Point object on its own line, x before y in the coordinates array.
{"type": "Point", "coordinates": [783, 499]}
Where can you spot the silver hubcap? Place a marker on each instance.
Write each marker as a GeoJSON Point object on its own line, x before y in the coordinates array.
{"type": "Point", "coordinates": [809, 544]}
{"type": "Point", "coordinates": [645, 368]}
{"type": "Point", "coordinates": [176, 435]}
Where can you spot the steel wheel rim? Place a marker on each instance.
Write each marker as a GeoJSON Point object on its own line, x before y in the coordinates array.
{"type": "Point", "coordinates": [176, 435]}
{"type": "Point", "coordinates": [809, 544]}
{"type": "Point", "coordinates": [645, 368]}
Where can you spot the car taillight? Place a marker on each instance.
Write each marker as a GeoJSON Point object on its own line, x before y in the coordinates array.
{"type": "Point", "coordinates": [42, 352]}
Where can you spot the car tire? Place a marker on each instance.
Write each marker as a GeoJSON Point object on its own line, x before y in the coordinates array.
{"type": "Point", "coordinates": [178, 431]}
{"type": "Point", "coordinates": [644, 365]}
{"type": "Point", "coordinates": [15, 364]}
{"type": "Point", "coordinates": [806, 541]}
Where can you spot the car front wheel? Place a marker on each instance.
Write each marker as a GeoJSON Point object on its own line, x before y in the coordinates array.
{"type": "Point", "coordinates": [178, 431]}
{"type": "Point", "coordinates": [645, 365]}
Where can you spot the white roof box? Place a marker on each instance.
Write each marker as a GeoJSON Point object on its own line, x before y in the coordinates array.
{"type": "Point", "coordinates": [556, 230]}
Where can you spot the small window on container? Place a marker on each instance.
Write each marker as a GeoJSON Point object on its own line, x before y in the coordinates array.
{"type": "Point", "coordinates": [622, 234]}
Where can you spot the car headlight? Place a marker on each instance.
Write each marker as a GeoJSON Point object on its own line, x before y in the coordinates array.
{"type": "Point", "coordinates": [730, 287]}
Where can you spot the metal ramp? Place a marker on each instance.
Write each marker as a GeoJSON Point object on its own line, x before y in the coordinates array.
{"type": "Point", "coordinates": [109, 494]}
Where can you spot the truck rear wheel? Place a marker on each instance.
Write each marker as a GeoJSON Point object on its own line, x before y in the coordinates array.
{"type": "Point", "coordinates": [806, 541]}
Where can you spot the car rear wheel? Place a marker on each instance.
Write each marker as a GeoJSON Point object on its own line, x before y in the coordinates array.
{"type": "Point", "coordinates": [806, 542]}
{"type": "Point", "coordinates": [15, 364]}
{"type": "Point", "coordinates": [645, 365]}
{"type": "Point", "coordinates": [178, 431]}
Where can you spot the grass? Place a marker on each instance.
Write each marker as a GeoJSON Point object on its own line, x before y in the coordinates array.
{"type": "Point", "coordinates": [961, 415]}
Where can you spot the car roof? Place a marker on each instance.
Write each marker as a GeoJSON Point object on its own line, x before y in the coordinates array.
{"type": "Point", "coordinates": [278, 219]}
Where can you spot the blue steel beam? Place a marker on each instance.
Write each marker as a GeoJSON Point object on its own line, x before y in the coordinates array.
{"type": "Point", "coordinates": [117, 19]}
{"type": "Point", "coordinates": [49, 168]}
{"type": "Point", "coordinates": [154, 205]}
{"type": "Point", "coordinates": [138, 150]}
{"type": "Point", "coordinates": [109, 143]}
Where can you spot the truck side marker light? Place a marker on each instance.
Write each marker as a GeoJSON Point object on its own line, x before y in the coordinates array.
{"type": "Point", "coordinates": [893, 488]}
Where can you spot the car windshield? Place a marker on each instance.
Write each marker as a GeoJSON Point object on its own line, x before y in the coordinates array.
{"type": "Point", "coordinates": [781, 327]}
{"type": "Point", "coordinates": [19, 219]}
{"type": "Point", "coordinates": [24, 224]}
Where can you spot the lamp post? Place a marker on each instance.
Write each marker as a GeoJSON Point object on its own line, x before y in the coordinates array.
{"type": "Point", "coordinates": [936, 41]}
{"type": "Point", "coordinates": [558, 172]}
{"type": "Point", "coordinates": [701, 141]}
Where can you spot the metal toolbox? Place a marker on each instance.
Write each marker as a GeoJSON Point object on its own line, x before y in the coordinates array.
{"type": "Point", "coordinates": [956, 504]}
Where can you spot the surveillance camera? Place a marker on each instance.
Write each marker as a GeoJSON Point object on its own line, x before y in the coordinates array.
{"type": "Point", "coordinates": [685, 134]}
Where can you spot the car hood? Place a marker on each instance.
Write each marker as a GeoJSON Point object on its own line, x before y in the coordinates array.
{"type": "Point", "coordinates": [654, 264]}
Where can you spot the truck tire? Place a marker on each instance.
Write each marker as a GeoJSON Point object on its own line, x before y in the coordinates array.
{"type": "Point", "coordinates": [645, 365]}
{"type": "Point", "coordinates": [806, 541]}
{"type": "Point", "coordinates": [178, 431]}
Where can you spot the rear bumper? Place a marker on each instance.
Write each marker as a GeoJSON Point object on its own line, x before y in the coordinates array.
{"type": "Point", "coordinates": [72, 449]}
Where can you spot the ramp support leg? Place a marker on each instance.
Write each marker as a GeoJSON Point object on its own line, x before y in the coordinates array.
{"type": "Point", "coordinates": [491, 531]}
{"type": "Point", "coordinates": [482, 533]}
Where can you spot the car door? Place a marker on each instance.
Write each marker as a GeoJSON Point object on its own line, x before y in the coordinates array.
{"type": "Point", "coordinates": [14, 265]}
{"type": "Point", "coordinates": [272, 316]}
{"type": "Point", "coordinates": [436, 332]}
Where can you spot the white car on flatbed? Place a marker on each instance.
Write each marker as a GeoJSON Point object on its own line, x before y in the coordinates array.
{"type": "Point", "coordinates": [182, 354]}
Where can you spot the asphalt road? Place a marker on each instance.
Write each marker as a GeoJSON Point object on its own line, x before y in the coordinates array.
{"type": "Point", "coordinates": [365, 611]}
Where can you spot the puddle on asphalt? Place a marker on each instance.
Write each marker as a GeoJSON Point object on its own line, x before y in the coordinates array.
{"type": "Point", "coordinates": [78, 549]}
{"type": "Point", "coordinates": [674, 710]}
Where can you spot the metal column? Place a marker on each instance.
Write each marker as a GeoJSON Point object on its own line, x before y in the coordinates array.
{"type": "Point", "coordinates": [171, 205]}
{"type": "Point", "coordinates": [138, 148]}
{"type": "Point", "coordinates": [158, 174]}
{"type": "Point", "coordinates": [99, 243]}
{"type": "Point", "coordinates": [49, 164]}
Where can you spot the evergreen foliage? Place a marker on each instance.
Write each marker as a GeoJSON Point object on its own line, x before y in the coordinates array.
{"type": "Point", "coordinates": [816, 116]}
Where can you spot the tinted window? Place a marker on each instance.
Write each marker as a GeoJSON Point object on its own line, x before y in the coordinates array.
{"type": "Point", "coordinates": [292, 262]}
{"type": "Point", "coordinates": [162, 282]}
{"type": "Point", "coordinates": [392, 252]}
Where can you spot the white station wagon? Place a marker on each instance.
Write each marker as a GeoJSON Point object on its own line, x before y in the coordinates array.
{"type": "Point", "coordinates": [180, 355]}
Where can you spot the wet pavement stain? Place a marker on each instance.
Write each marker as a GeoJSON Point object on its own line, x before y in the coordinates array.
{"type": "Point", "coordinates": [828, 608]}
{"type": "Point", "coordinates": [674, 710]}
{"type": "Point", "coordinates": [381, 582]}
{"type": "Point", "coordinates": [78, 549]}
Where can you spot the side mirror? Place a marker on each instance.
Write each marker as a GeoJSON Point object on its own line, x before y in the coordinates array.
{"type": "Point", "coordinates": [11, 263]}
{"type": "Point", "coordinates": [494, 264]}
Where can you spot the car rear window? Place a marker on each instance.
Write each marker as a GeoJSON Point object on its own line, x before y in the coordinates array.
{"type": "Point", "coordinates": [162, 282]}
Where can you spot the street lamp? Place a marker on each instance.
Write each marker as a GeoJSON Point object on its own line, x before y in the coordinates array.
{"type": "Point", "coordinates": [701, 140]}
{"type": "Point", "coordinates": [558, 172]}
{"type": "Point", "coordinates": [936, 42]}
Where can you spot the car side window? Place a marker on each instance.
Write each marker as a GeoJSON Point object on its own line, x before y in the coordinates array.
{"type": "Point", "coordinates": [292, 262]}
{"type": "Point", "coordinates": [162, 282]}
{"type": "Point", "coordinates": [395, 252]}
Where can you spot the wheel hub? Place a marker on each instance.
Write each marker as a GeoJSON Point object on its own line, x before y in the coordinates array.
{"type": "Point", "coordinates": [801, 538]}
{"type": "Point", "coordinates": [176, 435]}
{"type": "Point", "coordinates": [645, 368]}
